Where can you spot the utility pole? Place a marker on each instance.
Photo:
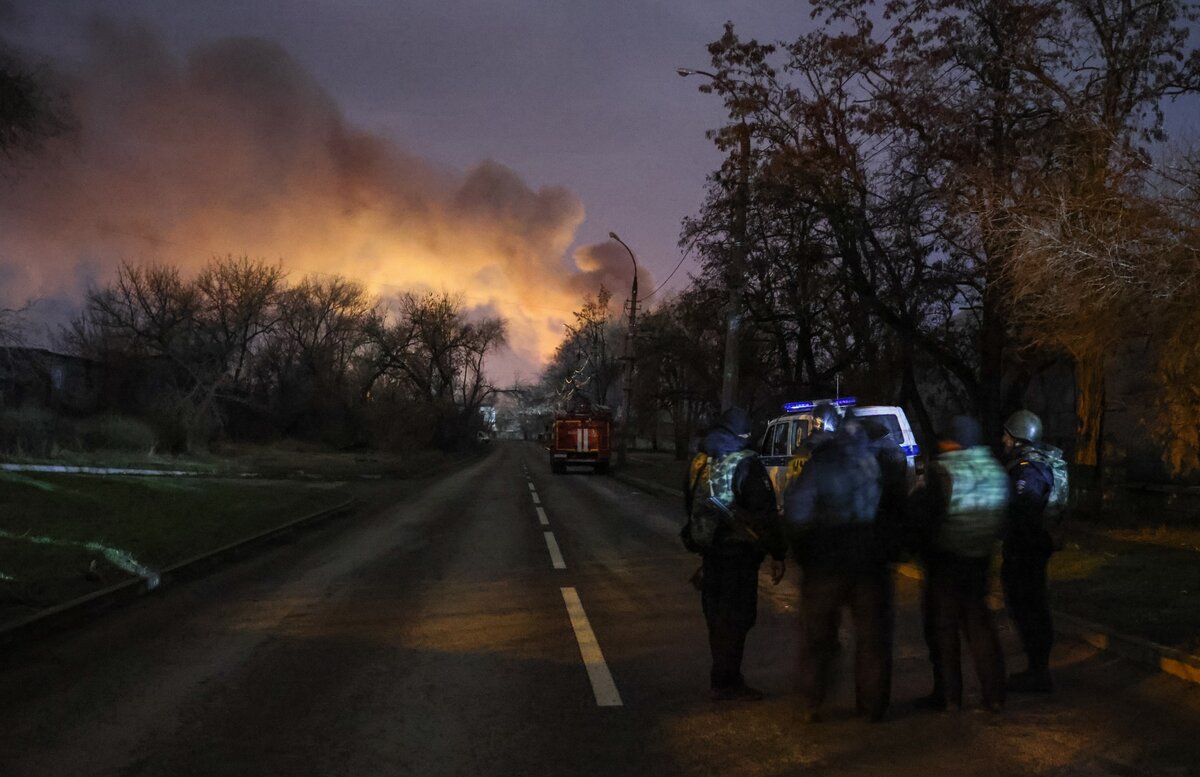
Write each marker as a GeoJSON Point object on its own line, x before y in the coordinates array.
{"type": "Point", "coordinates": [737, 257]}
{"type": "Point", "coordinates": [737, 272]}
{"type": "Point", "coordinates": [631, 358]}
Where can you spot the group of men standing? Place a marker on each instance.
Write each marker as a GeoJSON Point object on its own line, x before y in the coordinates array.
{"type": "Point", "coordinates": [846, 519]}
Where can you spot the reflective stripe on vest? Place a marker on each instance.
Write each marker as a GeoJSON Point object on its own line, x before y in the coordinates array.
{"type": "Point", "coordinates": [977, 498]}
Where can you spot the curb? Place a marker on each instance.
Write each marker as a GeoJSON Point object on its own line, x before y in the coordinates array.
{"type": "Point", "coordinates": [61, 615]}
{"type": "Point", "coordinates": [1164, 488]}
{"type": "Point", "coordinates": [1149, 654]}
{"type": "Point", "coordinates": [1152, 655]}
{"type": "Point", "coordinates": [1165, 659]}
{"type": "Point", "coordinates": [71, 469]}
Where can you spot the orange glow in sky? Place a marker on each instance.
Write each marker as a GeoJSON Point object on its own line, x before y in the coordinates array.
{"type": "Point", "coordinates": [237, 150]}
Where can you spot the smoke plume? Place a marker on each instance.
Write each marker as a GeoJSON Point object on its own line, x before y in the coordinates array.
{"type": "Point", "coordinates": [236, 149]}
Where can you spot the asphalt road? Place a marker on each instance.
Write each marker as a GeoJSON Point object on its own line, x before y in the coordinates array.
{"type": "Point", "coordinates": [464, 632]}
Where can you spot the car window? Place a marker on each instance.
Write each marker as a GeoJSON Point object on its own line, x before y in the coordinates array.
{"type": "Point", "coordinates": [801, 433]}
{"type": "Point", "coordinates": [777, 445]}
{"type": "Point", "coordinates": [891, 423]}
{"type": "Point", "coordinates": [768, 439]}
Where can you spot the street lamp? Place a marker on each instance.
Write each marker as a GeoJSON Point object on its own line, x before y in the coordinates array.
{"type": "Point", "coordinates": [737, 259]}
{"type": "Point", "coordinates": [630, 346]}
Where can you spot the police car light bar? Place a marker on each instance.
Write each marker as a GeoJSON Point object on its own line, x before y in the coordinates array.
{"type": "Point", "coordinates": [799, 407]}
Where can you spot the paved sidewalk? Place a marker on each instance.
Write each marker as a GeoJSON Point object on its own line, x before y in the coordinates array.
{"type": "Point", "coordinates": [661, 474]}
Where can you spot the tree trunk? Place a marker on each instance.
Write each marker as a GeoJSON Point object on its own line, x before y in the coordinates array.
{"type": "Point", "coordinates": [993, 326]}
{"type": "Point", "coordinates": [1089, 436]}
{"type": "Point", "coordinates": [1089, 409]}
{"type": "Point", "coordinates": [911, 396]}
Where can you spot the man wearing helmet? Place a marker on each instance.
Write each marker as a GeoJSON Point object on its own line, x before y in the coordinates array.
{"type": "Point", "coordinates": [1028, 546]}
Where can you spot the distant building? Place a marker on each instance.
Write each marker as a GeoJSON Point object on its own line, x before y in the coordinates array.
{"type": "Point", "coordinates": [58, 381]}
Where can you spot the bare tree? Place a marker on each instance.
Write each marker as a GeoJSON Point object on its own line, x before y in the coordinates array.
{"type": "Point", "coordinates": [924, 142]}
{"type": "Point", "coordinates": [432, 360]}
{"type": "Point", "coordinates": [31, 111]}
{"type": "Point", "coordinates": [430, 354]}
{"type": "Point", "coordinates": [237, 305]}
{"type": "Point", "coordinates": [205, 328]}
{"type": "Point", "coordinates": [585, 363]}
{"type": "Point", "coordinates": [480, 339]}
{"type": "Point", "coordinates": [680, 343]}
{"type": "Point", "coordinates": [1175, 320]}
{"type": "Point", "coordinates": [321, 357]}
{"type": "Point", "coordinates": [309, 359]}
{"type": "Point", "coordinates": [12, 325]}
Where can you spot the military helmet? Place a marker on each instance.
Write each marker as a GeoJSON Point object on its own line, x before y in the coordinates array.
{"type": "Point", "coordinates": [1024, 425]}
{"type": "Point", "coordinates": [825, 418]}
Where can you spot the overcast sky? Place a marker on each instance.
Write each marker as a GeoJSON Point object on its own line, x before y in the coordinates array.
{"type": "Point", "coordinates": [523, 131]}
{"type": "Point", "coordinates": [580, 94]}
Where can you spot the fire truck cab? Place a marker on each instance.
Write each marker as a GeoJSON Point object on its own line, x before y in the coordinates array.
{"type": "Point", "coordinates": [581, 435]}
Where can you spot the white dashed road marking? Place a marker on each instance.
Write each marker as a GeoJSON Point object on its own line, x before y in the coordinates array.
{"type": "Point", "coordinates": [603, 686]}
{"type": "Point", "coordinates": [555, 554]}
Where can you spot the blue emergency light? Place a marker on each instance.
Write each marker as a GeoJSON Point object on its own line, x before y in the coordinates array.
{"type": "Point", "coordinates": [799, 407]}
{"type": "Point", "coordinates": [911, 450]}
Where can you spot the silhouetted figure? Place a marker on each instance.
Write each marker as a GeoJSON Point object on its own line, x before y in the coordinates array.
{"type": "Point", "coordinates": [962, 508]}
{"type": "Point", "coordinates": [1038, 479]}
{"type": "Point", "coordinates": [732, 523]}
{"type": "Point", "coordinates": [830, 512]}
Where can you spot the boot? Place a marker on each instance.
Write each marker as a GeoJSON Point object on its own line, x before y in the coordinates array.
{"type": "Point", "coordinates": [935, 700]}
{"type": "Point", "coordinates": [740, 692]}
{"type": "Point", "coordinates": [1031, 681]}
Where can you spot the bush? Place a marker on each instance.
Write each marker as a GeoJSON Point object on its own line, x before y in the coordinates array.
{"type": "Point", "coordinates": [182, 426]}
{"type": "Point", "coordinates": [117, 433]}
{"type": "Point", "coordinates": [398, 427]}
{"type": "Point", "coordinates": [32, 431]}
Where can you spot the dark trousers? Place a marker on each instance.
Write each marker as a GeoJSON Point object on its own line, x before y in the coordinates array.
{"type": "Point", "coordinates": [868, 594]}
{"type": "Point", "coordinates": [729, 595]}
{"type": "Point", "coordinates": [955, 606]}
{"type": "Point", "coordinates": [1025, 594]}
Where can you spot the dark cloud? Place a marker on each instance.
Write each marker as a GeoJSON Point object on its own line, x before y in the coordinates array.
{"type": "Point", "coordinates": [609, 264]}
{"type": "Point", "coordinates": [237, 149]}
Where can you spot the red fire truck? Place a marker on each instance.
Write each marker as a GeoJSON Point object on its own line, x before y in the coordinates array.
{"type": "Point", "coordinates": [581, 435]}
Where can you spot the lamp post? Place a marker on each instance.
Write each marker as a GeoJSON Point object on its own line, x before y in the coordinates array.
{"type": "Point", "coordinates": [737, 258]}
{"type": "Point", "coordinates": [630, 349]}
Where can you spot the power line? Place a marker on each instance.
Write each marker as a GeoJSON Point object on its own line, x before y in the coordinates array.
{"type": "Point", "coordinates": [677, 266]}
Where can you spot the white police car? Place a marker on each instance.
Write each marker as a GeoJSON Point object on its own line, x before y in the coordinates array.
{"type": "Point", "coordinates": [783, 451]}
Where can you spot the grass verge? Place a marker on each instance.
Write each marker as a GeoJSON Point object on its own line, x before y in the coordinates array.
{"type": "Point", "coordinates": [285, 461]}
{"type": "Point", "coordinates": [157, 521]}
{"type": "Point", "coordinates": [1139, 584]}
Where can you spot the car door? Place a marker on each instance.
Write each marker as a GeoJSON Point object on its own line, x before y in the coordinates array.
{"type": "Point", "coordinates": [775, 453]}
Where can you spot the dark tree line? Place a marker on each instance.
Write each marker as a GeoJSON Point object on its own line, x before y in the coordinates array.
{"type": "Point", "coordinates": [944, 197]}
{"type": "Point", "coordinates": [237, 351]}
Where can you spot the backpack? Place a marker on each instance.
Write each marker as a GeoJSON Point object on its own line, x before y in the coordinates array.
{"type": "Point", "coordinates": [846, 482]}
{"type": "Point", "coordinates": [978, 494]}
{"type": "Point", "coordinates": [713, 501]}
{"type": "Point", "coordinates": [1060, 491]}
